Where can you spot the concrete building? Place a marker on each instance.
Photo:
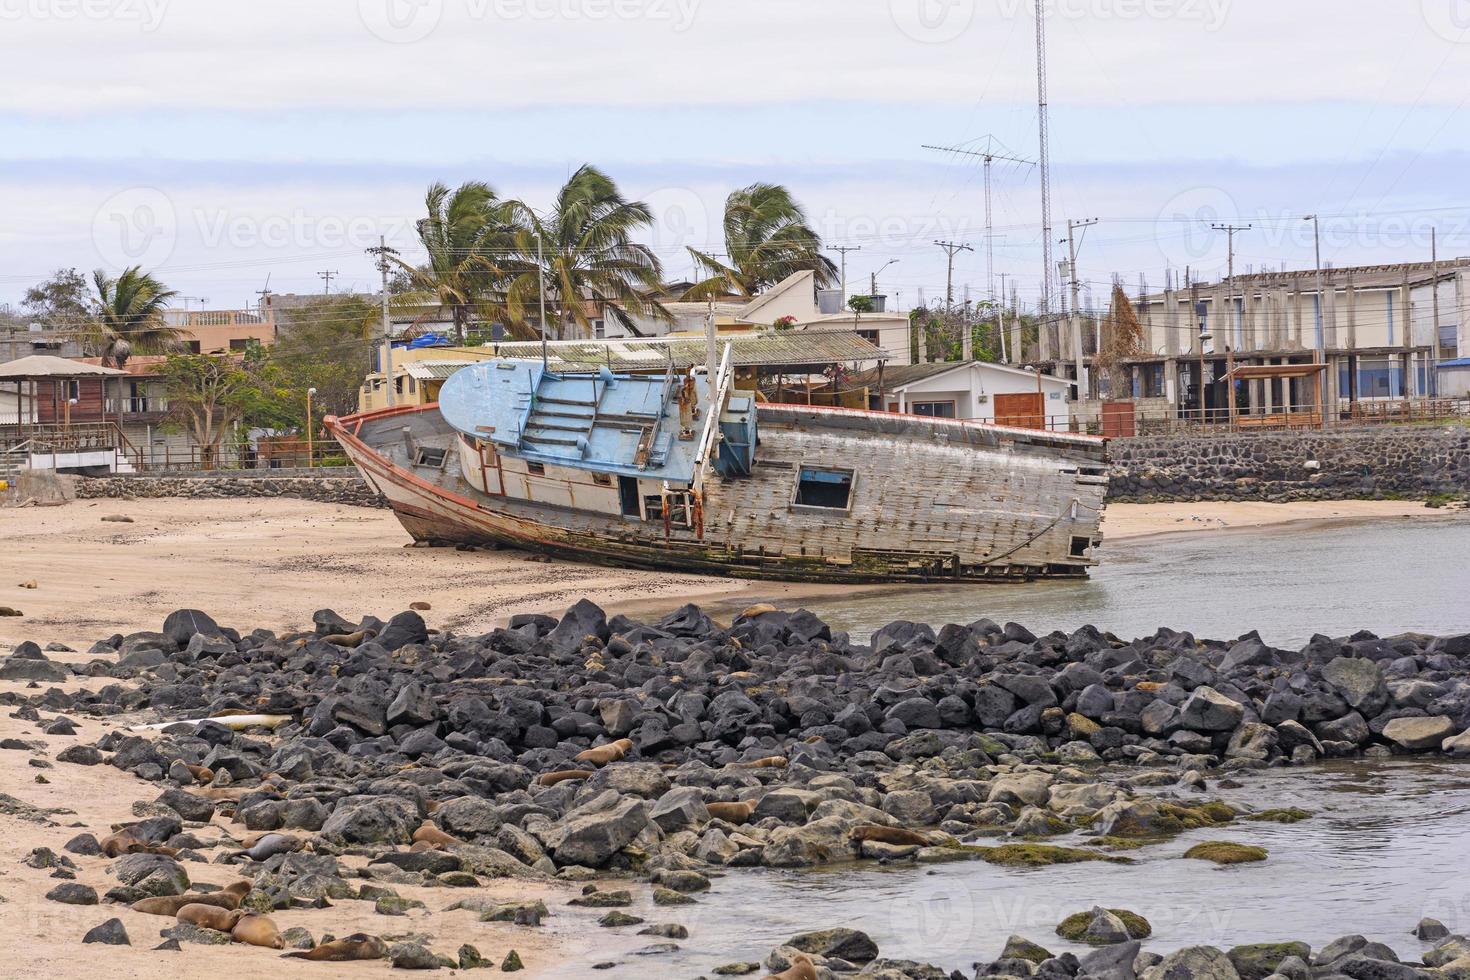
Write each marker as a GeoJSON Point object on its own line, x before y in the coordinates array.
{"type": "Point", "coordinates": [1454, 378]}
{"type": "Point", "coordinates": [1380, 331]}
{"type": "Point", "coordinates": [798, 303]}
{"type": "Point", "coordinates": [221, 331]}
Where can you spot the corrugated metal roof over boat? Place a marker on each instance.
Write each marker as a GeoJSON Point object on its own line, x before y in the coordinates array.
{"type": "Point", "coordinates": [766, 349]}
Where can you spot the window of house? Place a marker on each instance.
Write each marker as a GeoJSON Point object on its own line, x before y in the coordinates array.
{"type": "Point", "coordinates": [192, 346]}
{"type": "Point", "coordinates": [824, 488]}
{"type": "Point", "coordinates": [599, 329]}
{"type": "Point", "coordinates": [933, 410]}
{"type": "Point", "coordinates": [602, 479]}
{"type": "Point", "coordinates": [73, 391]}
{"type": "Point", "coordinates": [536, 469]}
{"type": "Point", "coordinates": [1449, 341]}
{"type": "Point", "coordinates": [242, 344]}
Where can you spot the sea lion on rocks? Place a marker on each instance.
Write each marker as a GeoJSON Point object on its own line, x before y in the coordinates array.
{"type": "Point", "coordinates": [270, 845]}
{"type": "Point", "coordinates": [429, 833]}
{"type": "Point", "coordinates": [552, 778]}
{"type": "Point", "coordinates": [255, 929]}
{"type": "Point", "coordinates": [227, 898]}
{"type": "Point", "coordinates": [801, 968]}
{"type": "Point", "coordinates": [201, 773]}
{"type": "Point", "coordinates": [603, 754]}
{"type": "Point", "coordinates": [736, 813]}
{"type": "Point", "coordinates": [210, 916]}
{"type": "Point", "coordinates": [349, 639]}
{"type": "Point", "coordinates": [769, 762]}
{"type": "Point", "coordinates": [358, 946]}
{"type": "Point", "coordinates": [897, 836]}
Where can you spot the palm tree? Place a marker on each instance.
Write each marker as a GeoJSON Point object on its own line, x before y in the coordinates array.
{"type": "Point", "coordinates": [587, 255]}
{"type": "Point", "coordinates": [128, 315]}
{"type": "Point", "coordinates": [767, 238]}
{"type": "Point", "coordinates": [469, 237]}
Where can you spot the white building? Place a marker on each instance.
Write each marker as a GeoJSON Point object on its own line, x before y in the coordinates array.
{"type": "Point", "coordinates": [975, 390]}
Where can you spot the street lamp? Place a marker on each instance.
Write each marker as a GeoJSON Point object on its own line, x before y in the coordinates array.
{"type": "Point", "coordinates": [310, 392]}
{"type": "Point", "coordinates": [873, 279]}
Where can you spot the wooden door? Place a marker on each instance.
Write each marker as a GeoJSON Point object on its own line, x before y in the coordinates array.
{"type": "Point", "coordinates": [1118, 420]}
{"type": "Point", "coordinates": [1023, 411]}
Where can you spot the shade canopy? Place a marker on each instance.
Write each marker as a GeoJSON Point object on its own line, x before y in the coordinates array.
{"type": "Point", "coordinates": [48, 366]}
{"type": "Point", "coordinates": [1257, 372]}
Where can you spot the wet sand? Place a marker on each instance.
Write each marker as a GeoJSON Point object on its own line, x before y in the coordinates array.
{"type": "Point", "coordinates": [1123, 522]}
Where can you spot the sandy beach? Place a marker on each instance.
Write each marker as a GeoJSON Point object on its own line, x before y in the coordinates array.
{"type": "Point", "coordinates": [272, 563]}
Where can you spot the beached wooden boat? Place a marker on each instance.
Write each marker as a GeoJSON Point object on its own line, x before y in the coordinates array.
{"type": "Point", "coordinates": [685, 473]}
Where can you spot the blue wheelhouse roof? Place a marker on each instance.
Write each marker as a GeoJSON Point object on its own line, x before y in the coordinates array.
{"type": "Point", "coordinates": [603, 422]}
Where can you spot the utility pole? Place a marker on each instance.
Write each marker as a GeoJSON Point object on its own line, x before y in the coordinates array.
{"type": "Point", "coordinates": [1044, 133]}
{"type": "Point", "coordinates": [326, 277]}
{"type": "Point", "coordinates": [382, 251]}
{"type": "Point", "coordinates": [843, 250]}
{"type": "Point", "coordinates": [1321, 353]}
{"type": "Point", "coordinates": [989, 157]}
{"type": "Point", "coordinates": [1072, 226]}
{"type": "Point", "coordinates": [1433, 354]}
{"type": "Point", "coordinates": [949, 249]}
{"type": "Point", "coordinates": [541, 291]}
{"type": "Point", "coordinates": [1000, 319]}
{"type": "Point", "coordinates": [1230, 231]}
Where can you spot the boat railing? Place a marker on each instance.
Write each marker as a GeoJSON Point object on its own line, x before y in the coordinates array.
{"type": "Point", "coordinates": [711, 432]}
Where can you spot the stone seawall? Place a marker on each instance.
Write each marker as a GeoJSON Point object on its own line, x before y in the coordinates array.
{"type": "Point", "coordinates": [346, 488]}
{"type": "Point", "coordinates": [1367, 463]}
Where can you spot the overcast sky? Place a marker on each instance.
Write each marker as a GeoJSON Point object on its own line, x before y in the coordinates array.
{"type": "Point", "coordinates": [222, 143]}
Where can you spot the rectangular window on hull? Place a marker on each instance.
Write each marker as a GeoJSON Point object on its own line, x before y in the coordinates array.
{"type": "Point", "coordinates": [827, 489]}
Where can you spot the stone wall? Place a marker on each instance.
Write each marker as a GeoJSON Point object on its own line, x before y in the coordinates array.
{"type": "Point", "coordinates": [342, 486]}
{"type": "Point", "coordinates": [1372, 462]}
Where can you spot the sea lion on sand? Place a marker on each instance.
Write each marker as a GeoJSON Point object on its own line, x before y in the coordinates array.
{"type": "Point", "coordinates": [897, 836]}
{"type": "Point", "coordinates": [736, 813]}
{"type": "Point", "coordinates": [552, 778]}
{"type": "Point", "coordinates": [210, 916]}
{"type": "Point", "coordinates": [801, 968]}
{"type": "Point", "coordinates": [255, 929]}
{"type": "Point", "coordinates": [603, 754]}
{"type": "Point", "coordinates": [227, 898]}
{"type": "Point", "coordinates": [358, 946]}
{"type": "Point", "coordinates": [429, 833]}
{"type": "Point", "coordinates": [126, 842]}
{"type": "Point", "coordinates": [769, 762]}
{"type": "Point", "coordinates": [270, 845]}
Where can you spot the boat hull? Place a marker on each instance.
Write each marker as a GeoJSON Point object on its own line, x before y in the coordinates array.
{"type": "Point", "coordinates": [434, 506]}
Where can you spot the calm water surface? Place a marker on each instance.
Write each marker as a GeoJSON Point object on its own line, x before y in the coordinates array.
{"type": "Point", "coordinates": [1288, 583]}
{"type": "Point", "coordinates": [1390, 843]}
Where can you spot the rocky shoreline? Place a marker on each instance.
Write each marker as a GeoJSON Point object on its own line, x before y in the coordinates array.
{"type": "Point", "coordinates": [606, 755]}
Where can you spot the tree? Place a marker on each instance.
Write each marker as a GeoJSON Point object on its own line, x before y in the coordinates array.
{"type": "Point", "coordinates": [128, 315]}
{"type": "Point", "coordinates": [469, 235]}
{"type": "Point", "coordinates": [767, 238]}
{"type": "Point", "coordinates": [326, 344]}
{"type": "Point", "coordinates": [588, 256]}
{"type": "Point", "coordinates": [60, 301]}
{"type": "Point", "coordinates": [1122, 337]}
{"type": "Point", "coordinates": [209, 394]}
